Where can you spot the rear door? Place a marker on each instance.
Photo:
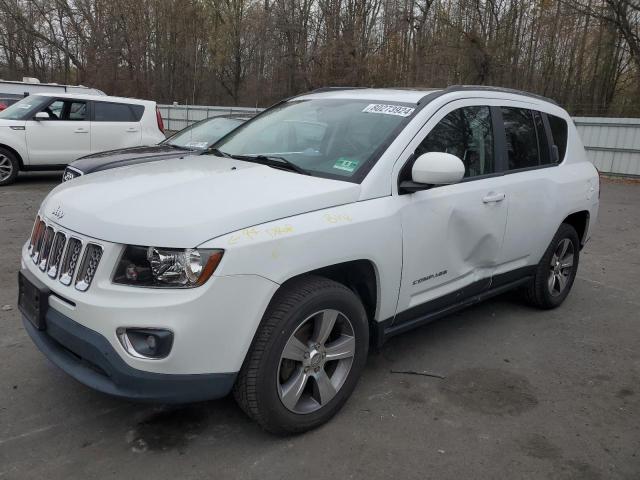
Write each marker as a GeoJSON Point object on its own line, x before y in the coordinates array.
{"type": "Point", "coordinates": [62, 137]}
{"type": "Point", "coordinates": [531, 188]}
{"type": "Point", "coordinates": [115, 125]}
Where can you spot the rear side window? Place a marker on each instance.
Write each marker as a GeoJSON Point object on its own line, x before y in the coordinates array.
{"type": "Point", "coordinates": [559, 133]}
{"type": "Point", "coordinates": [522, 140]}
{"type": "Point", "coordinates": [116, 112]}
{"type": "Point", "coordinates": [467, 134]}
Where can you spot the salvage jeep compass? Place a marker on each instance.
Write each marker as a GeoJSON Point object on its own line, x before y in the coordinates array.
{"type": "Point", "coordinates": [326, 224]}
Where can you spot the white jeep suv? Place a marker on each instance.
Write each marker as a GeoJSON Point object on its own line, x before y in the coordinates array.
{"type": "Point", "coordinates": [46, 131]}
{"type": "Point", "coordinates": [332, 221]}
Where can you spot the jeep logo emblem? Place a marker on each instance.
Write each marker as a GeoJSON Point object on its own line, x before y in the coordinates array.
{"type": "Point", "coordinates": [58, 213]}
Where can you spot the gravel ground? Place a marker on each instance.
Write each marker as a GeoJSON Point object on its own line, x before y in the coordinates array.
{"type": "Point", "coordinates": [525, 393]}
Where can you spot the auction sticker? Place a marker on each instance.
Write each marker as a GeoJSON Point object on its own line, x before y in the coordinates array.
{"type": "Point", "coordinates": [388, 109]}
{"type": "Point", "coordinates": [345, 164]}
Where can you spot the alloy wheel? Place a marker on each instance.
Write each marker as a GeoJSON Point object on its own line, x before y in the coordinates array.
{"type": "Point", "coordinates": [316, 361]}
{"type": "Point", "coordinates": [6, 167]}
{"type": "Point", "coordinates": [561, 267]}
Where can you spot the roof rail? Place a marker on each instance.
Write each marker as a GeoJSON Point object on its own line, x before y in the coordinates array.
{"type": "Point", "coordinates": [331, 89]}
{"type": "Point", "coordinates": [463, 88]}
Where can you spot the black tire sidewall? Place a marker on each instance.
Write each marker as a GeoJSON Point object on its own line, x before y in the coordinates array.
{"type": "Point", "coordinates": [14, 162]}
{"type": "Point", "coordinates": [278, 416]}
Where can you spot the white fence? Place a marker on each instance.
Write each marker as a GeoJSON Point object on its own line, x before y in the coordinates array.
{"type": "Point", "coordinates": [612, 144]}
{"type": "Point", "coordinates": [177, 117]}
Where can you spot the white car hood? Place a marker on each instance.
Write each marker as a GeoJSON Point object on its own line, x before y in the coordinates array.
{"type": "Point", "coordinates": [186, 201]}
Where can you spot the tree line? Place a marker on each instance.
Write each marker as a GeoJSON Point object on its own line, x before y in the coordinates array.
{"type": "Point", "coordinates": [583, 53]}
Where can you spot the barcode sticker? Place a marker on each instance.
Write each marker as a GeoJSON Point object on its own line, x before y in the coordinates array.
{"type": "Point", "coordinates": [388, 109]}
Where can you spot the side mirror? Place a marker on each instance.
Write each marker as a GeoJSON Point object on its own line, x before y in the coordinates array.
{"type": "Point", "coordinates": [41, 116]}
{"type": "Point", "coordinates": [433, 168]}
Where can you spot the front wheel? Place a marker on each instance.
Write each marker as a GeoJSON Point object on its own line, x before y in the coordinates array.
{"type": "Point", "coordinates": [9, 167]}
{"type": "Point", "coordinates": [306, 357]}
{"type": "Point", "coordinates": [557, 270]}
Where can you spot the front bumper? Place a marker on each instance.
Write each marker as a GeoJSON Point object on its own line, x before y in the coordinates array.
{"type": "Point", "coordinates": [89, 358]}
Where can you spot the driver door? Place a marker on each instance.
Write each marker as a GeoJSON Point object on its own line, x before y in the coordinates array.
{"type": "Point", "coordinates": [453, 234]}
{"type": "Point", "coordinates": [62, 137]}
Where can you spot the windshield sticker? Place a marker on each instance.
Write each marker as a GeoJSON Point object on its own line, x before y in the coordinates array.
{"type": "Point", "coordinates": [25, 106]}
{"type": "Point", "coordinates": [346, 164]}
{"type": "Point", "coordinates": [388, 109]}
{"type": "Point", "coordinates": [197, 144]}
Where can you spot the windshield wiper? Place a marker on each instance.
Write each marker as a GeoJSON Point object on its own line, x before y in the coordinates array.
{"type": "Point", "coordinates": [218, 153]}
{"type": "Point", "coordinates": [178, 147]}
{"type": "Point", "coordinates": [272, 161]}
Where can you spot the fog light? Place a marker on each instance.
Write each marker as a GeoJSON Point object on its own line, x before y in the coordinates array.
{"type": "Point", "coordinates": [148, 343]}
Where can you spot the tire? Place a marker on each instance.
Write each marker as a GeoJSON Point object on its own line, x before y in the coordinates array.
{"type": "Point", "coordinates": [9, 167]}
{"type": "Point", "coordinates": [545, 292]}
{"type": "Point", "coordinates": [266, 381]}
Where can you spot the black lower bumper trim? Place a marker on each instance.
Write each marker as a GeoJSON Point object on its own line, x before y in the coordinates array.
{"type": "Point", "coordinates": [89, 358]}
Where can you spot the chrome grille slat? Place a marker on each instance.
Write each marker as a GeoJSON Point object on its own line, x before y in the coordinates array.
{"type": "Point", "coordinates": [38, 242]}
{"type": "Point", "coordinates": [63, 256]}
{"type": "Point", "coordinates": [71, 256]}
{"type": "Point", "coordinates": [87, 270]}
{"type": "Point", "coordinates": [55, 256]}
{"type": "Point", "coordinates": [46, 247]}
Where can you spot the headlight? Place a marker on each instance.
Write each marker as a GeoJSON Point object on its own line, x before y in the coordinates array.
{"type": "Point", "coordinates": [166, 267]}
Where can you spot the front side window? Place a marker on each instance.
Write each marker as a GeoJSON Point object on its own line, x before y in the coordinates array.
{"type": "Point", "coordinates": [522, 140]}
{"type": "Point", "coordinates": [330, 138]}
{"type": "Point", "coordinates": [466, 133]}
{"type": "Point", "coordinates": [203, 134]}
{"type": "Point", "coordinates": [72, 110]}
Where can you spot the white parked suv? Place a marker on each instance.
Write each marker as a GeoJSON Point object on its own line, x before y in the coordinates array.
{"type": "Point", "coordinates": [46, 131]}
{"type": "Point", "coordinates": [331, 221]}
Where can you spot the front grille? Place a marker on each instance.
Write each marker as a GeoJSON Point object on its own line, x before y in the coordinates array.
{"type": "Point", "coordinates": [58, 255]}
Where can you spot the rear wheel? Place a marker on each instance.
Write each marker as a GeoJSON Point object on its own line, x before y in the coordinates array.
{"type": "Point", "coordinates": [9, 167]}
{"type": "Point", "coordinates": [306, 357]}
{"type": "Point", "coordinates": [557, 270]}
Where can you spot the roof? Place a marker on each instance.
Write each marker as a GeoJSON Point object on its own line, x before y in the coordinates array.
{"type": "Point", "coordinates": [411, 95]}
{"type": "Point", "coordinates": [87, 96]}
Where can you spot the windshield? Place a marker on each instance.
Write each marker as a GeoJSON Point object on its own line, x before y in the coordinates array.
{"type": "Point", "coordinates": [329, 138]}
{"type": "Point", "coordinates": [203, 134]}
{"type": "Point", "coordinates": [19, 110]}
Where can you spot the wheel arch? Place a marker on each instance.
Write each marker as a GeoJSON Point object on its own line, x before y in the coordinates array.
{"type": "Point", "coordinates": [360, 276]}
{"type": "Point", "coordinates": [580, 221]}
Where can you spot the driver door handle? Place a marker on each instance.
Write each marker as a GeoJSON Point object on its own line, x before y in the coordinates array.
{"type": "Point", "coordinates": [81, 130]}
{"type": "Point", "coordinates": [493, 197]}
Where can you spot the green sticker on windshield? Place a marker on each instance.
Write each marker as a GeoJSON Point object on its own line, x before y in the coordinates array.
{"type": "Point", "coordinates": [346, 164]}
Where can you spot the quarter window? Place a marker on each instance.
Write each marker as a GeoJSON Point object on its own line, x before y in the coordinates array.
{"type": "Point", "coordinates": [466, 133]}
{"type": "Point", "coordinates": [112, 112]}
{"type": "Point", "coordinates": [559, 133]}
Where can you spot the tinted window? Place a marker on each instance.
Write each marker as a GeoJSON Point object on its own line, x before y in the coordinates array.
{"type": "Point", "coordinates": [467, 134]}
{"type": "Point", "coordinates": [559, 133]}
{"type": "Point", "coordinates": [522, 141]}
{"type": "Point", "coordinates": [112, 112]}
{"type": "Point", "coordinates": [76, 111]}
{"type": "Point", "coordinates": [543, 143]}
